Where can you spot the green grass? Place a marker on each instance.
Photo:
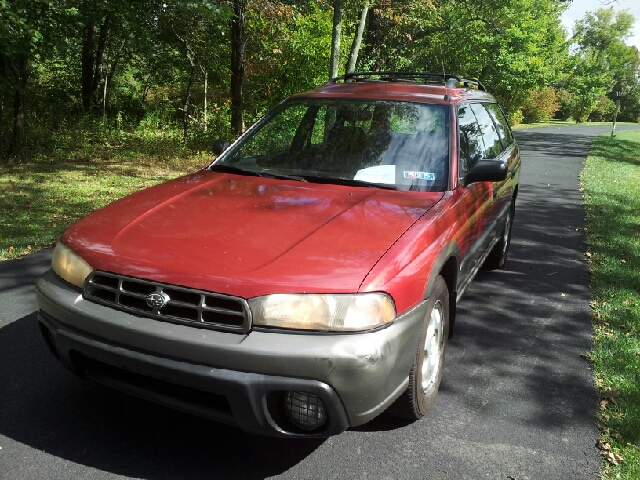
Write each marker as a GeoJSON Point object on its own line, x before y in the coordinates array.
{"type": "Point", "coordinates": [611, 181]}
{"type": "Point", "coordinates": [42, 194]}
{"type": "Point", "coordinates": [564, 123]}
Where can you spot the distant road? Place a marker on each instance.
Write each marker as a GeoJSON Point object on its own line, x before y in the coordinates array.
{"type": "Point", "coordinates": [517, 400]}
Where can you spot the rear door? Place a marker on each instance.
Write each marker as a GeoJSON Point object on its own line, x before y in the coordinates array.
{"type": "Point", "coordinates": [511, 155]}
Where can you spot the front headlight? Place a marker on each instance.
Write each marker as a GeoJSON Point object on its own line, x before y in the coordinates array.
{"type": "Point", "coordinates": [335, 313]}
{"type": "Point", "coordinates": [69, 266]}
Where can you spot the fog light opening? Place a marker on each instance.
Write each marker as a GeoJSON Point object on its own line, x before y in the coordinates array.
{"type": "Point", "coordinates": [305, 410]}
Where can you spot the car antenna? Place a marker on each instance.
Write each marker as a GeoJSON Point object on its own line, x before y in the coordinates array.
{"type": "Point", "coordinates": [444, 73]}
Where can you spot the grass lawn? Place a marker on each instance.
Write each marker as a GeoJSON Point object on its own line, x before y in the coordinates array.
{"type": "Point", "coordinates": [565, 123]}
{"type": "Point", "coordinates": [611, 181]}
{"type": "Point", "coordinates": [42, 195]}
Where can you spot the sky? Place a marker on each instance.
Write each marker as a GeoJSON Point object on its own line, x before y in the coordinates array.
{"type": "Point", "coordinates": [578, 8]}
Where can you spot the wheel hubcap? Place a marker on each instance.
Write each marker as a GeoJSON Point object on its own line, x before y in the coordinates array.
{"type": "Point", "coordinates": [433, 347]}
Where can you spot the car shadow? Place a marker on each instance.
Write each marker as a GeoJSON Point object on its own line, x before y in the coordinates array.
{"type": "Point", "coordinates": [49, 409]}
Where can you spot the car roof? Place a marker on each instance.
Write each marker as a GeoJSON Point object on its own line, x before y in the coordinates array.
{"type": "Point", "coordinates": [402, 86]}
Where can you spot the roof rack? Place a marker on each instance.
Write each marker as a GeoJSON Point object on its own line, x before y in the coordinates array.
{"type": "Point", "coordinates": [450, 81]}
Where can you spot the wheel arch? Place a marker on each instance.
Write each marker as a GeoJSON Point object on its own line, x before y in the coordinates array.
{"type": "Point", "coordinates": [446, 265]}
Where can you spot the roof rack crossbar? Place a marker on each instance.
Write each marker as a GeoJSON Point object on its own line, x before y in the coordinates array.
{"type": "Point", "coordinates": [449, 80]}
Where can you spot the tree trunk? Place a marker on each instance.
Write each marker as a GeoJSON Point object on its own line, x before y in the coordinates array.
{"type": "Point", "coordinates": [338, 6]}
{"type": "Point", "coordinates": [104, 100]}
{"type": "Point", "coordinates": [19, 69]}
{"type": "Point", "coordinates": [237, 65]}
{"type": "Point", "coordinates": [374, 38]}
{"type": "Point", "coordinates": [114, 63]}
{"type": "Point", "coordinates": [357, 39]}
{"type": "Point", "coordinates": [206, 76]}
{"type": "Point", "coordinates": [3, 75]}
{"type": "Point", "coordinates": [88, 61]}
{"type": "Point", "coordinates": [99, 59]}
{"type": "Point", "coordinates": [187, 101]}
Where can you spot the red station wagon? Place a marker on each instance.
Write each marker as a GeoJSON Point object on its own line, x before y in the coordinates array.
{"type": "Point", "coordinates": [307, 280]}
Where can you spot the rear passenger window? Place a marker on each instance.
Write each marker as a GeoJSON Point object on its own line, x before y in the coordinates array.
{"type": "Point", "coordinates": [501, 123]}
{"type": "Point", "coordinates": [492, 143]}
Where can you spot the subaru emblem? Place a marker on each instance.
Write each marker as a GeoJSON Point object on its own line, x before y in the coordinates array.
{"type": "Point", "coordinates": [157, 300]}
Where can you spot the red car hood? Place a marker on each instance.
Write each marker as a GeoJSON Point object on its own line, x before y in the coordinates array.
{"type": "Point", "coordinates": [248, 236]}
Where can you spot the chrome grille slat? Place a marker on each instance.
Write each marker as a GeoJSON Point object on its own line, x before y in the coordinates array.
{"type": "Point", "coordinates": [190, 309]}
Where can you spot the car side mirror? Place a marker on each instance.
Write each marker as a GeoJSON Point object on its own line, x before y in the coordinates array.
{"type": "Point", "coordinates": [220, 146]}
{"type": "Point", "coordinates": [486, 171]}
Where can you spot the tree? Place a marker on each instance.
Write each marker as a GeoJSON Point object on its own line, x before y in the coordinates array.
{"type": "Point", "coordinates": [357, 38]}
{"type": "Point", "coordinates": [95, 15]}
{"type": "Point", "coordinates": [237, 65]}
{"type": "Point", "coordinates": [513, 46]}
{"type": "Point", "coordinates": [29, 27]}
{"type": "Point", "coordinates": [589, 81]}
{"type": "Point", "coordinates": [604, 64]}
{"type": "Point", "coordinates": [334, 63]}
{"type": "Point", "coordinates": [187, 29]}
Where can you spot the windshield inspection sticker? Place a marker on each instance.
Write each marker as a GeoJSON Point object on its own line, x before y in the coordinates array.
{"type": "Point", "coordinates": [420, 175]}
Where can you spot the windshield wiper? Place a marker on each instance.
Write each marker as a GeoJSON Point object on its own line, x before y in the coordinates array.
{"type": "Point", "coordinates": [222, 168]}
{"type": "Point", "coordinates": [348, 181]}
{"type": "Point", "coordinates": [283, 176]}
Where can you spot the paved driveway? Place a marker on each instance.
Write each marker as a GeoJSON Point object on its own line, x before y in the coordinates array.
{"type": "Point", "coordinates": [517, 400]}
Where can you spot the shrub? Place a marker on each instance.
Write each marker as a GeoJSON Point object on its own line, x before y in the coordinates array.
{"type": "Point", "coordinates": [605, 108]}
{"type": "Point", "coordinates": [540, 106]}
{"type": "Point", "coordinates": [515, 118]}
{"type": "Point", "coordinates": [565, 100]}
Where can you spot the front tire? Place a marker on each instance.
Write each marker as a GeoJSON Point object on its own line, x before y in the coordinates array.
{"type": "Point", "coordinates": [426, 372]}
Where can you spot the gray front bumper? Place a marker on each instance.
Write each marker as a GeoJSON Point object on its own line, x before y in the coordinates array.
{"type": "Point", "coordinates": [357, 376]}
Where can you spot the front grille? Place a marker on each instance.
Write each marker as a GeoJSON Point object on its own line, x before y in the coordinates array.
{"type": "Point", "coordinates": [196, 308]}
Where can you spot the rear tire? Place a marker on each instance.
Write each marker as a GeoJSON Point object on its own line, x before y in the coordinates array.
{"type": "Point", "coordinates": [426, 372]}
{"type": "Point", "coordinates": [498, 256]}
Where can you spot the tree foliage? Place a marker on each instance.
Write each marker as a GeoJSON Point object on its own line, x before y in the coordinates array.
{"type": "Point", "coordinates": [603, 63]}
{"type": "Point", "coordinates": [209, 67]}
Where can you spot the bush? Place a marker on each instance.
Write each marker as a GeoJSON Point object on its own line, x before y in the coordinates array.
{"type": "Point", "coordinates": [515, 118]}
{"type": "Point", "coordinates": [540, 106]}
{"type": "Point", "coordinates": [605, 108]}
{"type": "Point", "coordinates": [630, 106]}
{"type": "Point", "coordinates": [565, 100]}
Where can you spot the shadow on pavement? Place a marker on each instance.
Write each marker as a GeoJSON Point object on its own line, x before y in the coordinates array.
{"type": "Point", "coordinates": [44, 406]}
{"type": "Point", "coordinates": [23, 272]}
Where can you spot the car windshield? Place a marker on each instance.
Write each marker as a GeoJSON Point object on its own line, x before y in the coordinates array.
{"type": "Point", "coordinates": [399, 145]}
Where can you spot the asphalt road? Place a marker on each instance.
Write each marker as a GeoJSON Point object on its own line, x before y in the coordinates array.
{"type": "Point", "coordinates": [517, 400]}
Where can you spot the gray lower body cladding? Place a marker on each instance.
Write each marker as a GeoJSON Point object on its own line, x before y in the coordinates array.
{"type": "Point", "coordinates": [235, 379]}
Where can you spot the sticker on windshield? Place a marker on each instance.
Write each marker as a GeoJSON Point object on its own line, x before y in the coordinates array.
{"type": "Point", "coordinates": [420, 175]}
